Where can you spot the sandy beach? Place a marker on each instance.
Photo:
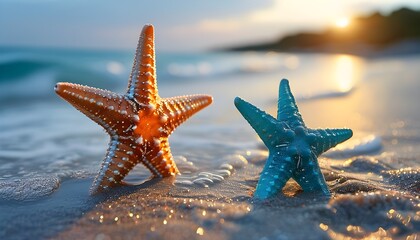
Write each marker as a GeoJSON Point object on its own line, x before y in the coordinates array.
{"type": "Point", "coordinates": [374, 177]}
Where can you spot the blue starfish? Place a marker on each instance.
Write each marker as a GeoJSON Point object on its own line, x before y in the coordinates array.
{"type": "Point", "coordinates": [293, 148]}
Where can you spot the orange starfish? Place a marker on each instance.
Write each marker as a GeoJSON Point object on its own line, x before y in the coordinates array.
{"type": "Point", "coordinates": [138, 122]}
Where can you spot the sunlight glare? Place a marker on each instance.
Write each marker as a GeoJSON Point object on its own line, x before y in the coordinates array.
{"type": "Point", "coordinates": [342, 22]}
{"type": "Point", "coordinates": [345, 73]}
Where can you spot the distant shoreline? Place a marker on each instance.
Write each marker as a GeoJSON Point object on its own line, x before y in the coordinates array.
{"type": "Point", "coordinates": [409, 47]}
{"type": "Point", "coordinates": [375, 35]}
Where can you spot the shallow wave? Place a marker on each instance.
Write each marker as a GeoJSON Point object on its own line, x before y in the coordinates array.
{"type": "Point", "coordinates": [25, 189]}
{"type": "Point", "coordinates": [22, 68]}
{"type": "Point", "coordinates": [35, 85]}
{"type": "Point", "coordinates": [35, 186]}
{"type": "Point", "coordinates": [33, 79]}
{"type": "Point", "coordinates": [367, 145]}
{"type": "Point", "coordinates": [231, 64]}
{"type": "Point", "coordinates": [326, 94]}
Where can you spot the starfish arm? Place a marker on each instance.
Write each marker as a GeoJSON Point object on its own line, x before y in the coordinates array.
{"type": "Point", "coordinates": [105, 108]}
{"type": "Point", "coordinates": [178, 109]}
{"type": "Point", "coordinates": [121, 157]}
{"type": "Point", "coordinates": [267, 127]}
{"type": "Point", "coordinates": [308, 175]}
{"type": "Point", "coordinates": [324, 139]}
{"type": "Point", "coordinates": [142, 86]}
{"type": "Point", "coordinates": [158, 158]}
{"type": "Point", "coordinates": [287, 109]}
{"type": "Point", "coordinates": [277, 171]}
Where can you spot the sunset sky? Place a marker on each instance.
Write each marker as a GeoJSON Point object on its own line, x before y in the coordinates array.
{"type": "Point", "coordinates": [184, 25]}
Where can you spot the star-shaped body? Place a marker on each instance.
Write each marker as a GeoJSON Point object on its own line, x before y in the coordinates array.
{"type": "Point", "coordinates": [138, 122]}
{"type": "Point", "coordinates": [293, 148]}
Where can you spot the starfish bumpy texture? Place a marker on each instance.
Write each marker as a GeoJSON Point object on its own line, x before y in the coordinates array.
{"type": "Point", "coordinates": [293, 148]}
{"type": "Point", "coordinates": [138, 122]}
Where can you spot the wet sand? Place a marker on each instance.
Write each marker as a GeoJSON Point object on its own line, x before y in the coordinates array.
{"type": "Point", "coordinates": [374, 193]}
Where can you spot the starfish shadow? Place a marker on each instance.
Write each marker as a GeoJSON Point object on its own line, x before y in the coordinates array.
{"type": "Point", "coordinates": [125, 189]}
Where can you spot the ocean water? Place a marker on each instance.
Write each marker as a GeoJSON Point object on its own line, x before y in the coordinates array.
{"type": "Point", "coordinates": [50, 153]}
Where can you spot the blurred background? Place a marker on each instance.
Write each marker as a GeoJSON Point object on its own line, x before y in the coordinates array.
{"type": "Point", "coordinates": [182, 26]}
{"type": "Point", "coordinates": [94, 41]}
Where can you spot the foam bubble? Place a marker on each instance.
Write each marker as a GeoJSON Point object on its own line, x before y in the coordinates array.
{"type": "Point", "coordinates": [30, 188]}
{"type": "Point", "coordinates": [236, 161]}
{"type": "Point", "coordinates": [256, 156]}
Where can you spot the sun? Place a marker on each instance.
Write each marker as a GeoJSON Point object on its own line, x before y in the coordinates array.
{"type": "Point", "coordinates": [342, 22]}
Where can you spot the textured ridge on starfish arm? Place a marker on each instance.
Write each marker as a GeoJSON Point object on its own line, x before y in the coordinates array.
{"type": "Point", "coordinates": [309, 176]}
{"type": "Point", "coordinates": [119, 161]}
{"type": "Point", "coordinates": [104, 107]}
{"type": "Point", "coordinates": [293, 148]}
{"type": "Point", "coordinates": [267, 127]}
{"type": "Point", "coordinates": [139, 122]}
{"type": "Point", "coordinates": [329, 138]}
{"type": "Point", "coordinates": [160, 157]}
{"type": "Point", "coordinates": [287, 109]}
{"type": "Point", "coordinates": [142, 85]}
{"type": "Point", "coordinates": [179, 109]}
{"type": "Point", "coordinates": [277, 171]}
